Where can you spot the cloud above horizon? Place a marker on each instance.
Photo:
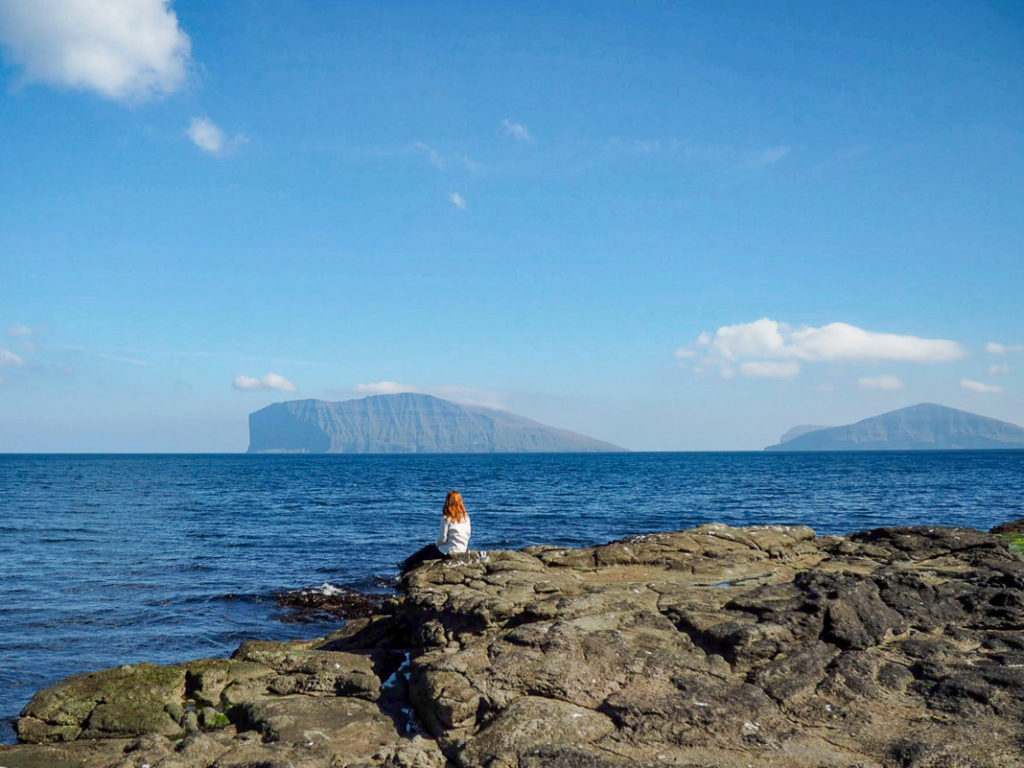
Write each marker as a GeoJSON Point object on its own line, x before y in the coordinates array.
{"type": "Point", "coordinates": [9, 358]}
{"type": "Point", "coordinates": [209, 137]}
{"type": "Point", "coordinates": [462, 395]}
{"type": "Point", "coordinates": [766, 340]}
{"type": "Point", "coordinates": [517, 131]}
{"type": "Point", "coordinates": [977, 386]}
{"type": "Point", "coordinates": [269, 381]}
{"type": "Point", "coordinates": [995, 348]}
{"type": "Point", "coordinates": [885, 381]}
{"type": "Point", "coordinates": [458, 201]}
{"type": "Point", "coordinates": [124, 50]}
{"type": "Point", "coordinates": [383, 388]}
{"type": "Point", "coordinates": [770, 369]}
{"type": "Point", "coordinates": [20, 330]}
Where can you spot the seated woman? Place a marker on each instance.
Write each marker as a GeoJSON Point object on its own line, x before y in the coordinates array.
{"type": "Point", "coordinates": [454, 538]}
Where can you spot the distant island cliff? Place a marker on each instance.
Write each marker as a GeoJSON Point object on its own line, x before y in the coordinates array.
{"type": "Point", "coordinates": [920, 427]}
{"type": "Point", "coordinates": [405, 423]}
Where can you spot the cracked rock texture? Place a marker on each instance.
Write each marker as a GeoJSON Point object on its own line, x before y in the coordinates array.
{"type": "Point", "coordinates": [717, 647]}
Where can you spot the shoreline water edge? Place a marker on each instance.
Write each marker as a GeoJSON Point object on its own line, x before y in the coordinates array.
{"type": "Point", "coordinates": [715, 646]}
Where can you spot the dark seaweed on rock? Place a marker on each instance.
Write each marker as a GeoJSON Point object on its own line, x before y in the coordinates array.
{"type": "Point", "coordinates": [331, 601]}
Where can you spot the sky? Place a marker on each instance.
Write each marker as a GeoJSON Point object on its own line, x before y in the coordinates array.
{"type": "Point", "coordinates": [669, 225]}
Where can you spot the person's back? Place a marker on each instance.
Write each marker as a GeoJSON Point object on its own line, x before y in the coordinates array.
{"type": "Point", "coordinates": [454, 537]}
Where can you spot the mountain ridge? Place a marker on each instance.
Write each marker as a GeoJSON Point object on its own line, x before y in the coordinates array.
{"type": "Point", "coordinates": [925, 426]}
{"type": "Point", "coordinates": [406, 423]}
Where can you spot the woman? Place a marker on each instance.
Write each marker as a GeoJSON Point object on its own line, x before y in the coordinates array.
{"type": "Point", "coordinates": [454, 538]}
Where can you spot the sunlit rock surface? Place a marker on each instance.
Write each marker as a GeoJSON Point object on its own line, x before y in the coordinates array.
{"type": "Point", "coordinates": [719, 646]}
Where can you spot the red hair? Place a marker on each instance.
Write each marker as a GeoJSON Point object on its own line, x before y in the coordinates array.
{"type": "Point", "coordinates": [454, 508]}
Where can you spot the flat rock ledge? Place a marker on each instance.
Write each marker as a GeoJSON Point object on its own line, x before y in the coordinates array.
{"type": "Point", "coordinates": [716, 647]}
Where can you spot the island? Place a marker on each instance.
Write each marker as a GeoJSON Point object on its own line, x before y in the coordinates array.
{"type": "Point", "coordinates": [406, 423]}
{"type": "Point", "coordinates": [716, 646]}
{"type": "Point", "coordinates": [925, 426]}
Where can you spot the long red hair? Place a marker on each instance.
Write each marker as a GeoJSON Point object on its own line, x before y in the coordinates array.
{"type": "Point", "coordinates": [454, 508]}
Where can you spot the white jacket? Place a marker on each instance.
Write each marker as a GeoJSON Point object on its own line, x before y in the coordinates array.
{"type": "Point", "coordinates": [454, 536]}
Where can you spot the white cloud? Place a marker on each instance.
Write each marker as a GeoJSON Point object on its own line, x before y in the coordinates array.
{"type": "Point", "coordinates": [770, 369]}
{"type": "Point", "coordinates": [768, 339]}
{"type": "Point", "coordinates": [998, 370]}
{"type": "Point", "coordinates": [884, 381]}
{"type": "Point", "coordinates": [9, 358]}
{"type": "Point", "coordinates": [977, 386]}
{"type": "Point", "coordinates": [517, 131]}
{"type": "Point", "coordinates": [771, 156]}
{"type": "Point", "coordinates": [126, 50]}
{"type": "Point", "coordinates": [458, 201]}
{"type": "Point", "coordinates": [995, 348]}
{"type": "Point", "coordinates": [209, 137]}
{"type": "Point", "coordinates": [383, 388]}
{"type": "Point", "coordinates": [270, 381]}
{"type": "Point", "coordinates": [20, 330]}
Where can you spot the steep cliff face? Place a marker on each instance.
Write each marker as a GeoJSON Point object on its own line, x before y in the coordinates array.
{"type": "Point", "coordinates": [405, 423]}
{"type": "Point", "coordinates": [920, 427]}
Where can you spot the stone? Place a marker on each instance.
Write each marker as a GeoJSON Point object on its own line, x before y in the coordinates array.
{"type": "Point", "coordinates": [718, 646]}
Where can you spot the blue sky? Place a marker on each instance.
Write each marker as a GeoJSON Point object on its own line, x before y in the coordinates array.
{"type": "Point", "coordinates": [674, 226]}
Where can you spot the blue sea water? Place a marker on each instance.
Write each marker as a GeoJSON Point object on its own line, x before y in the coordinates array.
{"type": "Point", "coordinates": [106, 560]}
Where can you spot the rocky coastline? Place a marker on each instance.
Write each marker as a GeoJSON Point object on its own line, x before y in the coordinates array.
{"type": "Point", "coordinates": [716, 647]}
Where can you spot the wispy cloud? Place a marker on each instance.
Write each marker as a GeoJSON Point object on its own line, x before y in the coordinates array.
{"type": "Point", "coordinates": [999, 369]}
{"type": "Point", "coordinates": [517, 131]}
{"type": "Point", "coordinates": [995, 348]}
{"type": "Point", "coordinates": [770, 369]}
{"type": "Point", "coordinates": [770, 156]}
{"type": "Point", "coordinates": [269, 381]}
{"type": "Point", "coordinates": [122, 359]}
{"type": "Point", "coordinates": [977, 386]}
{"type": "Point", "coordinates": [458, 201]}
{"type": "Point", "coordinates": [462, 395]}
{"type": "Point", "coordinates": [209, 137]}
{"type": "Point", "coordinates": [885, 381]}
{"type": "Point", "coordinates": [20, 331]}
{"type": "Point", "coordinates": [684, 149]}
{"type": "Point", "coordinates": [125, 50]}
{"type": "Point", "coordinates": [439, 160]}
{"type": "Point", "coordinates": [9, 358]}
{"type": "Point", "coordinates": [432, 155]}
{"type": "Point", "coordinates": [767, 340]}
{"type": "Point", "coordinates": [383, 388]}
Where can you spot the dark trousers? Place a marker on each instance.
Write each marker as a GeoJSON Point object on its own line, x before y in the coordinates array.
{"type": "Point", "coordinates": [429, 552]}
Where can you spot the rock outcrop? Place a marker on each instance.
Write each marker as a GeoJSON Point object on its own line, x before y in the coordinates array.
{"type": "Point", "coordinates": [716, 647]}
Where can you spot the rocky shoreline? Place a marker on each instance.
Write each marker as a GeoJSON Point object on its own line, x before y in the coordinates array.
{"type": "Point", "coordinates": [716, 647]}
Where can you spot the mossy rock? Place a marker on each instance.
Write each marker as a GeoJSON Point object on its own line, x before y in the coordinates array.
{"type": "Point", "coordinates": [1014, 541]}
{"type": "Point", "coordinates": [122, 701]}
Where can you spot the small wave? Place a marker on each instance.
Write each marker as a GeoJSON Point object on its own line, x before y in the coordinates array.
{"type": "Point", "coordinates": [331, 601]}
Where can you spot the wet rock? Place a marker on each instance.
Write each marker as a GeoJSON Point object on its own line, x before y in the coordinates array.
{"type": "Point", "coordinates": [331, 602]}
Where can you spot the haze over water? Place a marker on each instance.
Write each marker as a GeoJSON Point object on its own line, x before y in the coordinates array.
{"type": "Point", "coordinates": [106, 560]}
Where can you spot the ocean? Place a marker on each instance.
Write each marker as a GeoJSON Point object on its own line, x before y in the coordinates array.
{"type": "Point", "coordinates": [108, 560]}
